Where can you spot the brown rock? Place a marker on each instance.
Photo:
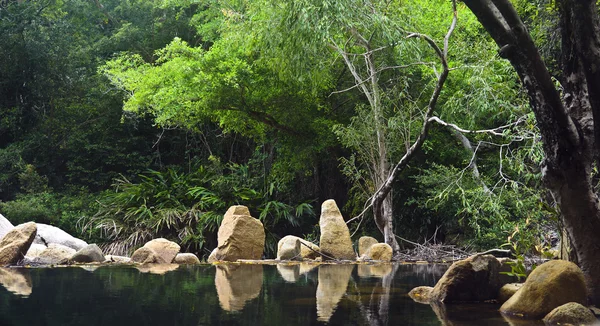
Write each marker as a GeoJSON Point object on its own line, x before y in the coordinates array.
{"type": "Point", "coordinates": [16, 242]}
{"type": "Point", "coordinates": [167, 250]}
{"type": "Point", "coordinates": [288, 248]}
{"type": "Point", "coordinates": [335, 237]}
{"type": "Point", "coordinates": [378, 251]}
{"type": "Point", "coordinates": [146, 255]}
{"type": "Point", "coordinates": [421, 294]}
{"type": "Point", "coordinates": [240, 236]}
{"type": "Point", "coordinates": [364, 243]}
{"type": "Point", "coordinates": [571, 313]}
{"type": "Point", "coordinates": [507, 291]}
{"type": "Point", "coordinates": [470, 280]}
{"type": "Point", "coordinates": [186, 259]}
{"type": "Point", "coordinates": [550, 285]}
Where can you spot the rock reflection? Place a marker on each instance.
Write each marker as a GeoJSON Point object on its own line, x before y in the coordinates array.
{"type": "Point", "coordinates": [379, 270]}
{"type": "Point", "coordinates": [158, 269]}
{"type": "Point", "coordinates": [291, 273]}
{"type": "Point", "coordinates": [476, 314]}
{"type": "Point", "coordinates": [333, 283]}
{"type": "Point", "coordinates": [237, 284]}
{"type": "Point", "coordinates": [16, 281]}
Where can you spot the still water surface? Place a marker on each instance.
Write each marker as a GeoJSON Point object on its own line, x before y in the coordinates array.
{"type": "Point", "coordinates": [230, 295]}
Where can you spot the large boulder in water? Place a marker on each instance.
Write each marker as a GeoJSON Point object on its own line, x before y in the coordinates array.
{"type": "Point", "coordinates": [470, 280]}
{"type": "Point", "coordinates": [48, 234]}
{"type": "Point", "coordinates": [335, 239]}
{"type": "Point", "coordinates": [378, 251]}
{"type": "Point", "coordinates": [5, 226]}
{"type": "Point", "coordinates": [55, 254]}
{"type": "Point", "coordinates": [364, 243]}
{"type": "Point", "coordinates": [157, 251]}
{"type": "Point", "coordinates": [571, 313]}
{"type": "Point", "coordinates": [240, 236]}
{"type": "Point", "coordinates": [550, 285]}
{"type": "Point", "coordinates": [308, 250]}
{"type": "Point", "coordinates": [186, 259]}
{"type": "Point", "coordinates": [89, 254]}
{"type": "Point", "coordinates": [289, 248]}
{"type": "Point", "coordinates": [16, 242]}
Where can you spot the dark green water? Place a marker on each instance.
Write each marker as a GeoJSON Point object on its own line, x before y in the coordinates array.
{"type": "Point", "coordinates": [230, 295]}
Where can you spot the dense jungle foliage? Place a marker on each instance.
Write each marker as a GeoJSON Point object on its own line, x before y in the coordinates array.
{"type": "Point", "coordinates": [125, 120]}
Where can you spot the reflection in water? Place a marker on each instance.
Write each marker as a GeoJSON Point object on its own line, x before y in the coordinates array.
{"type": "Point", "coordinates": [333, 283]}
{"type": "Point", "coordinates": [16, 281]}
{"type": "Point", "coordinates": [474, 313]}
{"type": "Point", "coordinates": [237, 284]}
{"type": "Point", "coordinates": [379, 270]}
{"type": "Point", "coordinates": [291, 273]}
{"type": "Point", "coordinates": [377, 310]}
{"type": "Point", "coordinates": [159, 269]}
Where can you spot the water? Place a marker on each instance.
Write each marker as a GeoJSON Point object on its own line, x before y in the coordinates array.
{"type": "Point", "coordinates": [230, 295]}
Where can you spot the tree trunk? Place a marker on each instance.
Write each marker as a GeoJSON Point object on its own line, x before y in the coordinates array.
{"type": "Point", "coordinates": [567, 123]}
{"type": "Point", "coordinates": [384, 215]}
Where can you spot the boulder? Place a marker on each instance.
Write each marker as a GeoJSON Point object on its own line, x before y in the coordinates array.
{"type": "Point", "coordinates": [237, 284]}
{"type": "Point", "coordinates": [335, 237]}
{"type": "Point", "coordinates": [5, 226]}
{"type": "Point", "coordinates": [333, 284]}
{"type": "Point", "coordinates": [164, 248]}
{"type": "Point", "coordinates": [305, 252]}
{"type": "Point", "coordinates": [213, 256]}
{"type": "Point", "coordinates": [379, 251]}
{"type": "Point", "coordinates": [88, 254]}
{"type": "Point", "coordinates": [421, 294]}
{"type": "Point", "coordinates": [550, 285]}
{"type": "Point", "coordinates": [507, 291]}
{"type": "Point", "coordinates": [470, 280]}
{"type": "Point", "coordinates": [48, 234]}
{"type": "Point", "coordinates": [35, 250]}
{"type": "Point", "coordinates": [288, 248]}
{"type": "Point", "coordinates": [117, 259]}
{"type": "Point", "coordinates": [240, 236]}
{"type": "Point", "coordinates": [571, 313]}
{"type": "Point", "coordinates": [145, 255]}
{"type": "Point", "coordinates": [364, 243]}
{"type": "Point", "coordinates": [186, 259]}
{"type": "Point", "coordinates": [16, 242]}
{"type": "Point", "coordinates": [55, 254]}
{"type": "Point", "coordinates": [16, 280]}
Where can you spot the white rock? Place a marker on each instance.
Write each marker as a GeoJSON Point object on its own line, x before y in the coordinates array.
{"type": "Point", "coordinates": [35, 250]}
{"type": "Point", "coordinates": [5, 226]}
{"type": "Point", "coordinates": [48, 234]}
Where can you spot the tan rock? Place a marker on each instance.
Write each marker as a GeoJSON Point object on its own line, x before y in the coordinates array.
{"type": "Point", "coordinates": [35, 250]}
{"type": "Point", "coordinates": [237, 284]}
{"type": "Point", "coordinates": [145, 255]}
{"type": "Point", "coordinates": [305, 252]}
{"type": "Point", "coordinates": [470, 280]}
{"type": "Point", "coordinates": [507, 291]}
{"type": "Point", "coordinates": [378, 251]}
{"type": "Point", "coordinates": [55, 254]}
{"type": "Point", "coordinates": [16, 281]}
{"type": "Point", "coordinates": [421, 294]}
{"type": "Point", "coordinates": [16, 242]}
{"type": "Point", "coordinates": [213, 256]}
{"type": "Point", "coordinates": [571, 313]}
{"type": "Point", "coordinates": [550, 285]}
{"type": "Point", "coordinates": [167, 250]}
{"type": "Point", "coordinates": [364, 243]}
{"type": "Point", "coordinates": [335, 237]}
{"type": "Point", "coordinates": [288, 248]}
{"type": "Point", "coordinates": [240, 236]}
{"type": "Point", "coordinates": [186, 259]}
{"type": "Point", "coordinates": [333, 283]}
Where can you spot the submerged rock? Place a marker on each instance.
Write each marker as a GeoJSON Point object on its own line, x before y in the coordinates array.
{"type": "Point", "coordinates": [364, 243]}
{"type": "Point", "coordinates": [89, 254]}
{"type": "Point", "coordinates": [378, 251]}
{"type": "Point", "coordinates": [571, 313]}
{"type": "Point", "coordinates": [16, 242]}
{"type": "Point", "coordinates": [507, 291]}
{"type": "Point", "coordinates": [470, 280]}
{"type": "Point", "coordinates": [16, 281]}
{"type": "Point", "coordinates": [157, 251]}
{"type": "Point", "coordinates": [421, 294]}
{"type": "Point", "coordinates": [237, 284]}
{"type": "Point", "coordinates": [186, 259]}
{"type": "Point", "coordinates": [48, 234]}
{"type": "Point", "coordinates": [288, 248]}
{"type": "Point", "coordinates": [335, 237]}
{"type": "Point", "coordinates": [240, 236]}
{"type": "Point", "coordinates": [333, 284]}
{"type": "Point", "coordinates": [550, 285]}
